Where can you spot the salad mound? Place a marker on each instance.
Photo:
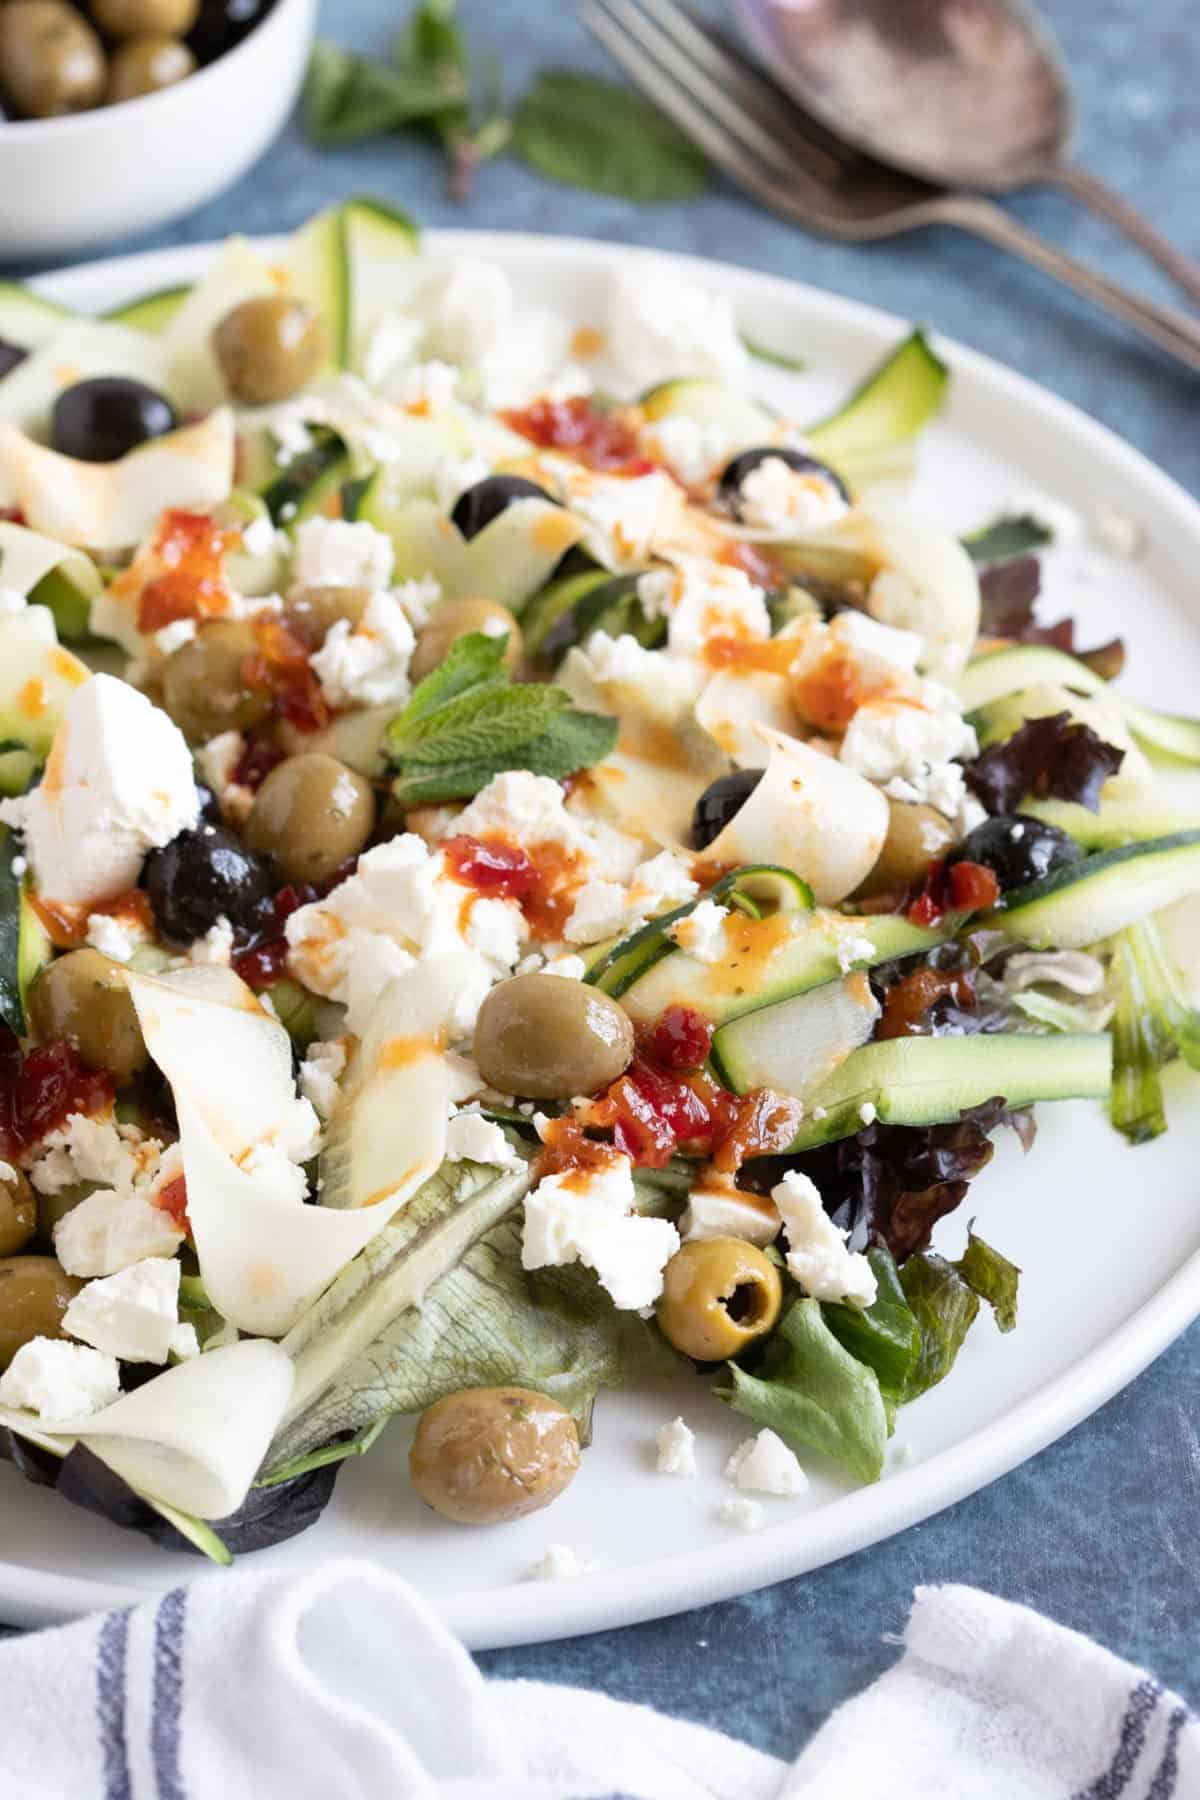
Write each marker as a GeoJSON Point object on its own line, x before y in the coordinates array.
{"type": "Point", "coordinates": [520, 866]}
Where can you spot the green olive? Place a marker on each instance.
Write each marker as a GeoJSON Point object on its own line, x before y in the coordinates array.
{"type": "Point", "coordinates": [547, 1037]}
{"type": "Point", "coordinates": [916, 834]}
{"type": "Point", "coordinates": [719, 1295]}
{"type": "Point", "coordinates": [454, 619]}
{"type": "Point", "coordinates": [491, 1454]}
{"type": "Point", "coordinates": [51, 60]}
{"type": "Point", "coordinates": [313, 611]}
{"type": "Point", "coordinates": [18, 1213]}
{"type": "Point", "coordinates": [35, 1292]}
{"type": "Point", "coordinates": [310, 816]}
{"type": "Point", "coordinates": [144, 65]}
{"type": "Point", "coordinates": [203, 683]}
{"type": "Point", "coordinates": [145, 18]}
{"type": "Point", "coordinates": [53, 1208]}
{"type": "Point", "coordinates": [269, 348]}
{"type": "Point", "coordinates": [84, 998]}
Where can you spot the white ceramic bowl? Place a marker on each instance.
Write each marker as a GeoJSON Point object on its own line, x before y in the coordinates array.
{"type": "Point", "coordinates": [76, 182]}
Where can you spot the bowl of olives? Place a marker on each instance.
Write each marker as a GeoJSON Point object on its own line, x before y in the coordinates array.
{"type": "Point", "coordinates": [117, 115]}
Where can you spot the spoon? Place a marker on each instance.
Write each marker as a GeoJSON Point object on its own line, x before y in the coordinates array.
{"type": "Point", "coordinates": [965, 93]}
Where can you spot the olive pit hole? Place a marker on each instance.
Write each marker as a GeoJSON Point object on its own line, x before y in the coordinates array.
{"type": "Point", "coordinates": [746, 1305]}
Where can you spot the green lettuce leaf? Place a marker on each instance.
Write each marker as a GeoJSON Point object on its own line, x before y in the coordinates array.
{"type": "Point", "coordinates": [993, 1278]}
{"type": "Point", "coordinates": [885, 1335]}
{"type": "Point", "coordinates": [814, 1392]}
{"type": "Point", "coordinates": [399, 1339]}
{"type": "Point", "coordinates": [945, 1305]}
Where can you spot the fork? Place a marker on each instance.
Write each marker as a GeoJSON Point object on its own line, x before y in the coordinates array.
{"type": "Point", "coordinates": [763, 142]}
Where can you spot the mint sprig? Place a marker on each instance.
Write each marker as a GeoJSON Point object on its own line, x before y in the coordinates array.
{"type": "Point", "coordinates": [467, 722]}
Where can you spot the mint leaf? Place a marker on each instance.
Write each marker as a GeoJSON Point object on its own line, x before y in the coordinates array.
{"type": "Point", "coordinates": [592, 134]}
{"type": "Point", "coordinates": [473, 661]}
{"type": "Point", "coordinates": [993, 1278]}
{"type": "Point", "coordinates": [811, 1390]}
{"type": "Point", "coordinates": [475, 128]}
{"type": "Point", "coordinates": [484, 724]}
{"type": "Point", "coordinates": [348, 98]}
{"type": "Point", "coordinates": [575, 740]}
{"type": "Point", "coordinates": [436, 787]}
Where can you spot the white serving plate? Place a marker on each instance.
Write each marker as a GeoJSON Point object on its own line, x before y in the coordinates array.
{"type": "Point", "coordinates": [1108, 1236]}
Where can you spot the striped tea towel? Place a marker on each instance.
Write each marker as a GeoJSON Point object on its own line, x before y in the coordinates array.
{"type": "Point", "coordinates": [341, 1685]}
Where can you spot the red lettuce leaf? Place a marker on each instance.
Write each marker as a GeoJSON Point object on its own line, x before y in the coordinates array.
{"type": "Point", "coordinates": [1052, 758]}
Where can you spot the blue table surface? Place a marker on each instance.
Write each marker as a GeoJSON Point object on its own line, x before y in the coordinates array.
{"type": "Point", "coordinates": [1100, 1530]}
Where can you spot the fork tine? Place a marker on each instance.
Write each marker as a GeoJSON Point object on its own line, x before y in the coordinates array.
{"type": "Point", "coordinates": [740, 80]}
{"type": "Point", "coordinates": [650, 37]}
{"type": "Point", "coordinates": [680, 105]}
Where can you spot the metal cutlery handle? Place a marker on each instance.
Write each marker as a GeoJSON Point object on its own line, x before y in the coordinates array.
{"type": "Point", "coordinates": [1090, 191]}
{"type": "Point", "coordinates": [1171, 330]}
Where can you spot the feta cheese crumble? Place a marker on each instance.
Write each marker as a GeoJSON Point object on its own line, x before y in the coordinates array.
{"type": "Point", "coordinates": [367, 664]}
{"type": "Point", "coordinates": [746, 1515]}
{"type": "Point", "coordinates": [587, 1216]}
{"type": "Point", "coordinates": [661, 328]}
{"type": "Point", "coordinates": [559, 1563]}
{"type": "Point", "coordinates": [907, 744]}
{"type": "Point", "coordinates": [320, 1071]}
{"type": "Point", "coordinates": [817, 1254]}
{"type": "Point", "coordinates": [675, 1447]}
{"type": "Point", "coordinates": [118, 783]}
{"type": "Point", "coordinates": [133, 1314]}
{"type": "Point", "coordinates": [218, 761]}
{"type": "Point", "coordinates": [778, 498]}
{"type": "Point", "coordinates": [342, 553]}
{"type": "Point", "coordinates": [720, 1210]}
{"type": "Point", "coordinates": [702, 933]}
{"type": "Point", "coordinates": [115, 938]}
{"type": "Point", "coordinates": [701, 601]}
{"type": "Point", "coordinates": [60, 1381]}
{"type": "Point", "coordinates": [472, 1138]}
{"type": "Point", "coordinates": [765, 1465]}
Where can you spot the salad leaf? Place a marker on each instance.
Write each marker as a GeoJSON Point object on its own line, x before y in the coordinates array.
{"type": "Point", "coordinates": [1051, 758]}
{"type": "Point", "coordinates": [993, 1278]}
{"type": "Point", "coordinates": [593, 134]}
{"type": "Point", "coordinates": [473, 128]}
{"type": "Point", "coordinates": [467, 721]}
{"type": "Point", "coordinates": [780, 359]}
{"type": "Point", "coordinates": [487, 1322]}
{"type": "Point", "coordinates": [1010, 536]}
{"type": "Point", "coordinates": [1007, 592]}
{"type": "Point", "coordinates": [813, 1391]}
{"type": "Point", "coordinates": [945, 1306]}
{"type": "Point", "coordinates": [347, 98]}
{"type": "Point", "coordinates": [1138, 1051]}
{"type": "Point", "coordinates": [884, 1335]}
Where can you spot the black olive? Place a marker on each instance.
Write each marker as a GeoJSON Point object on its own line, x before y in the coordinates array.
{"type": "Point", "coordinates": [477, 506]}
{"type": "Point", "coordinates": [719, 802]}
{"type": "Point", "coordinates": [735, 473]}
{"type": "Point", "coordinates": [103, 419]}
{"type": "Point", "coordinates": [10, 356]}
{"type": "Point", "coordinates": [222, 24]}
{"type": "Point", "coordinates": [202, 876]}
{"type": "Point", "coordinates": [1017, 849]}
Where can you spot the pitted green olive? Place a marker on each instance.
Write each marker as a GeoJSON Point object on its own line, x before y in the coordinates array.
{"type": "Point", "coordinates": [547, 1037]}
{"type": "Point", "coordinates": [916, 836]}
{"type": "Point", "coordinates": [310, 816]}
{"type": "Point", "coordinates": [203, 682]}
{"type": "Point", "coordinates": [312, 612]}
{"type": "Point", "coordinates": [719, 1295]}
{"type": "Point", "coordinates": [83, 997]}
{"type": "Point", "coordinates": [145, 65]}
{"type": "Point", "coordinates": [454, 619]}
{"type": "Point", "coordinates": [269, 348]}
{"type": "Point", "coordinates": [491, 1454]}
{"type": "Point", "coordinates": [145, 18]}
{"type": "Point", "coordinates": [51, 61]}
{"type": "Point", "coordinates": [35, 1292]}
{"type": "Point", "coordinates": [18, 1213]}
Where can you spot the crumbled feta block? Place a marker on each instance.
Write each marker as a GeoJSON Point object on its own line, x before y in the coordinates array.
{"type": "Point", "coordinates": [817, 1254]}
{"type": "Point", "coordinates": [722, 1211]}
{"type": "Point", "coordinates": [342, 553]}
{"type": "Point", "coordinates": [606, 909]}
{"type": "Point", "coordinates": [702, 933]}
{"type": "Point", "coordinates": [765, 1465]}
{"type": "Point", "coordinates": [115, 938]}
{"type": "Point", "coordinates": [218, 761]}
{"type": "Point", "coordinates": [624, 516]}
{"type": "Point", "coordinates": [776, 497]}
{"type": "Point", "coordinates": [568, 968]}
{"type": "Point", "coordinates": [93, 1147]}
{"type": "Point", "coordinates": [587, 1216]}
{"type": "Point", "coordinates": [258, 537]}
{"type": "Point", "coordinates": [454, 475]}
{"type": "Point", "coordinates": [629, 679]}
{"type": "Point", "coordinates": [868, 1112]}
{"type": "Point", "coordinates": [878, 650]}
{"type": "Point", "coordinates": [185, 1344]}
{"type": "Point", "coordinates": [60, 1381]}
{"type": "Point", "coordinates": [367, 664]}
{"type": "Point", "coordinates": [560, 1563]}
{"type": "Point", "coordinates": [704, 600]}
{"type": "Point", "coordinates": [323, 1065]}
{"type": "Point", "coordinates": [393, 344]}
{"type": "Point", "coordinates": [7, 1172]}
{"type": "Point", "coordinates": [133, 1314]}
{"type": "Point", "coordinates": [747, 1515]}
{"type": "Point", "coordinates": [907, 745]}
{"type": "Point", "coordinates": [418, 599]}
{"type": "Point", "coordinates": [108, 1231]}
{"type": "Point", "coordinates": [467, 306]}
{"type": "Point", "coordinates": [290, 429]}
{"type": "Point", "coordinates": [676, 1450]}
{"type": "Point", "coordinates": [530, 811]}
{"type": "Point", "coordinates": [426, 387]}
{"type": "Point", "coordinates": [270, 1166]}
{"type": "Point", "coordinates": [661, 328]}
{"type": "Point", "coordinates": [1117, 533]}
{"type": "Point", "coordinates": [174, 636]}
{"type": "Point", "coordinates": [216, 946]}
{"type": "Point", "coordinates": [694, 452]}
{"type": "Point", "coordinates": [118, 782]}
{"type": "Point", "coordinates": [854, 952]}
{"type": "Point", "coordinates": [472, 1138]}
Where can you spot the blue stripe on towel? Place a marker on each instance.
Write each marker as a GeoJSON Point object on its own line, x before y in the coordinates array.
{"type": "Point", "coordinates": [1167, 1773]}
{"type": "Point", "coordinates": [1131, 1741]}
{"type": "Point", "coordinates": [168, 1694]}
{"type": "Point", "coordinates": [111, 1650]}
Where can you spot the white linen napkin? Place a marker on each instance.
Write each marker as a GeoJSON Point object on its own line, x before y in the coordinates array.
{"type": "Point", "coordinates": [342, 1685]}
